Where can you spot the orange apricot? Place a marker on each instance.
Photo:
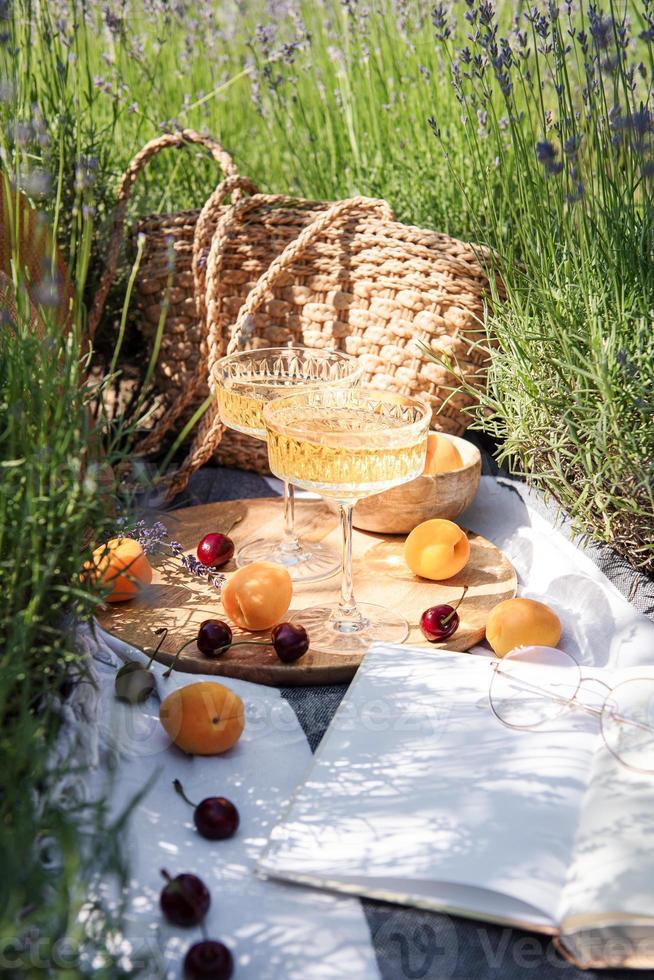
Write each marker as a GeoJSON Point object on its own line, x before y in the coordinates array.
{"type": "Point", "coordinates": [442, 455]}
{"type": "Point", "coordinates": [257, 596]}
{"type": "Point", "coordinates": [522, 622]}
{"type": "Point", "coordinates": [120, 565]}
{"type": "Point", "coordinates": [437, 549]}
{"type": "Point", "coordinates": [205, 718]}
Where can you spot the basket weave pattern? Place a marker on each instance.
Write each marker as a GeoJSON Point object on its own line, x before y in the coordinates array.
{"type": "Point", "coordinates": [270, 270]}
{"type": "Point", "coordinates": [367, 291]}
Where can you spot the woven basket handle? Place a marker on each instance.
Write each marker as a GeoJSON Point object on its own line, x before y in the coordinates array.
{"type": "Point", "coordinates": [243, 329]}
{"type": "Point", "coordinates": [210, 428]}
{"type": "Point", "coordinates": [142, 158]}
{"type": "Point", "coordinates": [201, 243]}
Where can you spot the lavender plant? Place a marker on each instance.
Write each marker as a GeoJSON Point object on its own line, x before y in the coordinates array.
{"type": "Point", "coordinates": [52, 494]}
{"type": "Point", "coordinates": [562, 96]}
{"type": "Point", "coordinates": [341, 92]}
{"type": "Point", "coordinates": [56, 490]}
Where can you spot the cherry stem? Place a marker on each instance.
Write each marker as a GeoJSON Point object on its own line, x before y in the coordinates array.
{"type": "Point", "coordinates": [163, 632]}
{"type": "Point", "coordinates": [219, 650]}
{"type": "Point", "coordinates": [237, 520]}
{"type": "Point", "coordinates": [180, 790]}
{"type": "Point", "coordinates": [249, 643]}
{"type": "Point", "coordinates": [243, 643]}
{"type": "Point", "coordinates": [164, 874]}
{"type": "Point", "coordinates": [168, 672]}
{"type": "Point", "coordinates": [445, 621]}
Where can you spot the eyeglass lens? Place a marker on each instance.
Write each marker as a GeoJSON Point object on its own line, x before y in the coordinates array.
{"type": "Point", "coordinates": [533, 685]}
{"type": "Point", "coordinates": [628, 723]}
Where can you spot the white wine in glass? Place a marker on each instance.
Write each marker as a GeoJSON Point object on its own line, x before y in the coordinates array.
{"type": "Point", "coordinates": [347, 444]}
{"type": "Point", "coordinates": [245, 383]}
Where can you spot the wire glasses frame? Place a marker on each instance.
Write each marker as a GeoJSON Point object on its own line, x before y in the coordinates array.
{"type": "Point", "coordinates": [532, 686]}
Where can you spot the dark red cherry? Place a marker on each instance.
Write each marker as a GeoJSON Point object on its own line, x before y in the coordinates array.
{"type": "Point", "coordinates": [216, 818]}
{"type": "Point", "coordinates": [438, 623]}
{"type": "Point", "coordinates": [213, 637]}
{"type": "Point", "coordinates": [215, 549]}
{"type": "Point", "coordinates": [290, 642]}
{"type": "Point", "coordinates": [208, 960]}
{"type": "Point", "coordinates": [184, 900]}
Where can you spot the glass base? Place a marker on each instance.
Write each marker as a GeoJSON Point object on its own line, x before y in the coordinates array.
{"type": "Point", "coordinates": [327, 635]}
{"type": "Point", "coordinates": [311, 562]}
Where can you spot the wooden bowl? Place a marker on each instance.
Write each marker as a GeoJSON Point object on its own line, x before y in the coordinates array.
{"type": "Point", "coordinates": [400, 509]}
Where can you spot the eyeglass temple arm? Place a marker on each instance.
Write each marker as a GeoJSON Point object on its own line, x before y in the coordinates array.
{"type": "Point", "coordinates": [589, 709]}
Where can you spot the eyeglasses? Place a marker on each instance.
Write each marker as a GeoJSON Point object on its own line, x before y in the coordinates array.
{"type": "Point", "coordinates": [532, 686]}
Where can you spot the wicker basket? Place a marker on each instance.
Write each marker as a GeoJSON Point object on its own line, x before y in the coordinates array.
{"type": "Point", "coordinates": [270, 270]}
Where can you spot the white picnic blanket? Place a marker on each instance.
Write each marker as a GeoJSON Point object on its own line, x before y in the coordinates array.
{"type": "Point", "coordinates": [276, 931]}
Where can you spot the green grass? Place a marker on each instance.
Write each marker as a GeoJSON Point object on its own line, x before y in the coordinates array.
{"type": "Point", "coordinates": [57, 496]}
{"type": "Point", "coordinates": [346, 112]}
{"type": "Point", "coordinates": [51, 501]}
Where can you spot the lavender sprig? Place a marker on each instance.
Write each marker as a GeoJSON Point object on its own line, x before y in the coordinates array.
{"type": "Point", "coordinates": [195, 567]}
{"type": "Point", "coordinates": [154, 540]}
{"type": "Point", "coordinates": [150, 536]}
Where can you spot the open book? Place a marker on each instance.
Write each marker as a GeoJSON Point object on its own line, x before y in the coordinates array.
{"type": "Point", "coordinates": [419, 795]}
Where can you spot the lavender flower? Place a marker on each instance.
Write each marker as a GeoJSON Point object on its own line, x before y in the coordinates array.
{"type": "Point", "coordinates": [601, 28]}
{"type": "Point", "coordinates": [150, 537]}
{"type": "Point", "coordinates": [486, 13]}
{"type": "Point", "coordinates": [113, 23]}
{"type": "Point", "coordinates": [546, 153]}
{"type": "Point", "coordinates": [439, 20]}
{"type": "Point", "coordinates": [154, 540]}
{"type": "Point", "coordinates": [571, 146]}
{"type": "Point", "coordinates": [576, 193]}
{"type": "Point", "coordinates": [639, 122]}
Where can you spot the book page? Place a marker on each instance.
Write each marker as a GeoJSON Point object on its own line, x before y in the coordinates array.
{"type": "Point", "coordinates": [611, 879]}
{"type": "Point", "coordinates": [419, 794]}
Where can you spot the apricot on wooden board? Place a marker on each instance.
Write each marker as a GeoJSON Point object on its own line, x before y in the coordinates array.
{"type": "Point", "coordinates": [257, 596]}
{"type": "Point", "coordinates": [121, 566]}
{"type": "Point", "coordinates": [204, 718]}
{"type": "Point", "coordinates": [522, 622]}
{"type": "Point", "coordinates": [442, 455]}
{"type": "Point", "coordinates": [437, 549]}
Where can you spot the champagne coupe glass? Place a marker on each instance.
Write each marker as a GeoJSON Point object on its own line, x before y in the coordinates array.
{"type": "Point", "coordinates": [245, 382]}
{"type": "Point", "coordinates": [347, 444]}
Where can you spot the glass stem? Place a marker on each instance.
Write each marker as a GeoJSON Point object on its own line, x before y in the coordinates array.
{"type": "Point", "coordinates": [290, 541]}
{"type": "Point", "coordinates": [346, 614]}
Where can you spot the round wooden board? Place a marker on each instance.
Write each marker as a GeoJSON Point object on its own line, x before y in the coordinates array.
{"type": "Point", "coordinates": [180, 602]}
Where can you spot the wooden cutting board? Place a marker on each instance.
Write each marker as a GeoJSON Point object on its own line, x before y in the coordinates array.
{"type": "Point", "coordinates": [181, 602]}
